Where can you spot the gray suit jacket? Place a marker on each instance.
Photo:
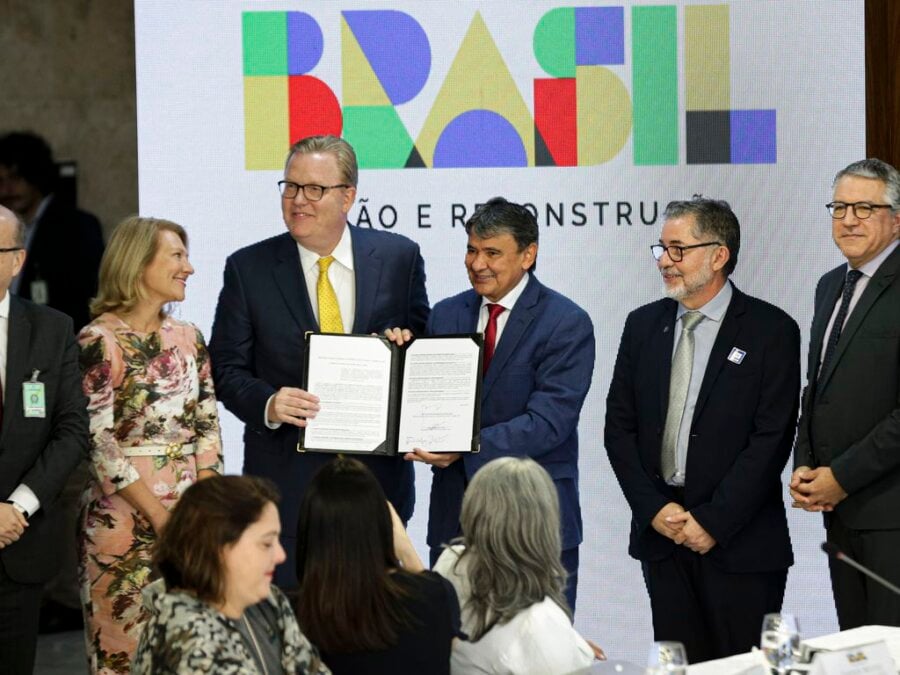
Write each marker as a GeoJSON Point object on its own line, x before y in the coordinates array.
{"type": "Point", "coordinates": [850, 418]}
{"type": "Point", "coordinates": [40, 452]}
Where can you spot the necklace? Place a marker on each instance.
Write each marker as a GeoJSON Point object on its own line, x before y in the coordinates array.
{"type": "Point", "coordinates": [259, 655]}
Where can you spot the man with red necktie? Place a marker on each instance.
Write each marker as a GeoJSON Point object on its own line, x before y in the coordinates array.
{"type": "Point", "coordinates": [538, 362]}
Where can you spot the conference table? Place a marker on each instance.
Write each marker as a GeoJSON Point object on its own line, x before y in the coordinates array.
{"type": "Point", "coordinates": [855, 637]}
{"type": "Point", "coordinates": [754, 662]}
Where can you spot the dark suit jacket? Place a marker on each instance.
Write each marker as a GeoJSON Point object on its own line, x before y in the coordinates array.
{"type": "Point", "coordinates": [65, 253]}
{"type": "Point", "coordinates": [850, 419]}
{"type": "Point", "coordinates": [40, 452]}
{"type": "Point", "coordinates": [740, 437]}
{"type": "Point", "coordinates": [257, 347]}
{"type": "Point", "coordinates": [531, 398]}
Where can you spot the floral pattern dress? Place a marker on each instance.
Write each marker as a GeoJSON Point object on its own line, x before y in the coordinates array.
{"type": "Point", "coordinates": [143, 389]}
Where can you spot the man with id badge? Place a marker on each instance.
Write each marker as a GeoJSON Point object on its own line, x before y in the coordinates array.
{"type": "Point", "coordinates": [43, 436]}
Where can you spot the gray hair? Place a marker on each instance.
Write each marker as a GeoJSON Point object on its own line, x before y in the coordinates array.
{"type": "Point", "coordinates": [713, 217]}
{"type": "Point", "coordinates": [875, 169]}
{"type": "Point", "coordinates": [510, 526]}
{"type": "Point", "coordinates": [17, 223]}
{"type": "Point", "coordinates": [340, 149]}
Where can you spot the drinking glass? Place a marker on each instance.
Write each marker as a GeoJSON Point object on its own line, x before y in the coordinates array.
{"type": "Point", "coordinates": [780, 641]}
{"type": "Point", "coordinates": [667, 658]}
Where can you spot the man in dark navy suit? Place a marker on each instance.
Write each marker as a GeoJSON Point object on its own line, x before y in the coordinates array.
{"type": "Point", "coordinates": [539, 356]}
{"type": "Point", "coordinates": [700, 419]}
{"type": "Point", "coordinates": [324, 275]}
{"type": "Point", "coordinates": [847, 457]}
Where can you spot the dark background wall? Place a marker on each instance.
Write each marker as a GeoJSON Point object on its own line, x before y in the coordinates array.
{"type": "Point", "coordinates": [67, 73]}
{"type": "Point", "coordinates": [883, 80]}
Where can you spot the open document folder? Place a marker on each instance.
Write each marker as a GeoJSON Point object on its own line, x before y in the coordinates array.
{"type": "Point", "coordinates": [378, 398]}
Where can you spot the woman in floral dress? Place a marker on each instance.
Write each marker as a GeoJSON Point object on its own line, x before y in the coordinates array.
{"type": "Point", "coordinates": [154, 427]}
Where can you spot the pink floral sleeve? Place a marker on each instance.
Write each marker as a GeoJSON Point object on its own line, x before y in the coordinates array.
{"type": "Point", "coordinates": [101, 368]}
{"type": "Point", "coordinates": [206, 421]}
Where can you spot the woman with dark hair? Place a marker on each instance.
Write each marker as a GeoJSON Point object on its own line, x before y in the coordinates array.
{"type": "Point", "coordinates": [153, 422]}
{"type": "Point", "coordinates": [215, 609]}
{"type": "Point", "coordinates": [363, 598]}
{"type": "Point", "coordinates": [507, 574]}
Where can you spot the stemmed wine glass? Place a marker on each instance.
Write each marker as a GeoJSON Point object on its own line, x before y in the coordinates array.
{"type": "Point", "coordinates": [667, 658]}
{"type": "Point", "coordinates": [780, 641]}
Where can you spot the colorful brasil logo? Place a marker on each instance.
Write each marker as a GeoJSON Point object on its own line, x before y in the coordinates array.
{"type": "Point", "coordinates": [582, 114]}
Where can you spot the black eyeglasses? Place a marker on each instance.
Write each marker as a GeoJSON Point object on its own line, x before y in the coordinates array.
{"type": "Point", "coordinates": [10, 250]}
{"type": "Point", "coordinates": [861, 210]}
{"type": "Point", "coordinates": [676, 253]}
{"type": "Point", "coordinates": [312, 192]}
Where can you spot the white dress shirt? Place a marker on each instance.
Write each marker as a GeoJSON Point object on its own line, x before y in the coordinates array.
{"type": "Point", "coordinates": [508, 301]}
{"type": "Point", "coordinates": [340, 273]}
{"type": "Point", "coordinates": [868, 271]}
{"type": "Point", "coordinates": [343, 280]}
{"type": "Point", "coordinates": [22, 496]}
{"type": "Point", "coordinates": [538, 640]}
{"type": "Point", "coordinates": [705, 334]}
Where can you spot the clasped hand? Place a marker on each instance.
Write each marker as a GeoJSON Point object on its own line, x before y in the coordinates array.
{"type": "Point", "coordinates": [815, 490]}
{"type": "Point", "coordinates": [12, 524]}
{"type": "Point", "coordinates": [674, 523]}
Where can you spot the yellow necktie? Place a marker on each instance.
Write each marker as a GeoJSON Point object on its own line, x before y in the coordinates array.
{"type": "Point", "coordinates": [329, 311]}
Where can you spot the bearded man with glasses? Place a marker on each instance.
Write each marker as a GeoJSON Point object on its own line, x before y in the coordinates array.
{"type": "Point", "coordinates": [847, 454]}
{"type": "Point", "coordinates": [320, 275]}
{"type": "Point", "coordinates": [699, 424]}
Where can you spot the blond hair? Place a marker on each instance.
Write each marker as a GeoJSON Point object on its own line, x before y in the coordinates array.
{"type": "Point", "coordinates": [335, 146]}
{"type": "Point", "coordinates": [131, 248]}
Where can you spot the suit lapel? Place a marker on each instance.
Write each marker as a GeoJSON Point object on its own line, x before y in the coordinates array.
{"type": "Point", "coordinates": [883, 278]}
{"type": "Point", "coordinates": [292, 284]}
{"type": "Point", "coordinates": [467, 315]}
{"type": "Point", "coordinates": [830, 296]}
{"type": "Point", "coordinates": [519, 320]}
{"type": "Point", "coordinates": [16, 362]}
{"type": "Point", "coordinates": [725, 340]}
{"type": "Point", "coordinates": [367, 270]}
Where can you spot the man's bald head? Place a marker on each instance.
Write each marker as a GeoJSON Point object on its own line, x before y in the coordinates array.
{"type": "Point", "coordinates": [10, 219]}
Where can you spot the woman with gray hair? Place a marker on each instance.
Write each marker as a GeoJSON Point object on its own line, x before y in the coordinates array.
{"type": "Point", "coordinates": [508, 577]}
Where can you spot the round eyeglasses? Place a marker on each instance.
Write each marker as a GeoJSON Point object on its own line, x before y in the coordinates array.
{"type": "Point", "coordinates": [861, 210]}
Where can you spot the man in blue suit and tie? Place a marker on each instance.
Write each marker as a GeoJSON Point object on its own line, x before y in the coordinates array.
{"type": "Point", "coordinates": [538, 359]}
{"type": "Point", "coordinates": [323, 275]}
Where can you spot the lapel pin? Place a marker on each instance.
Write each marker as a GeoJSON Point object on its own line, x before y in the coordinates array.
{"type": "Point", "coordinates": [737, 355]}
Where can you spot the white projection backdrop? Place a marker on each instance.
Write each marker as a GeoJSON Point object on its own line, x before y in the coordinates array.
{"type": "Point", "coordinates": [758, 103]}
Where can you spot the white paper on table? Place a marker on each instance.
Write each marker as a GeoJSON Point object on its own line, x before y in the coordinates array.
{"type": "Point", "coordinates": [440, 383]}
{"type": "Point", "coordinates": [750, 663]}
{"type": "Point", "coordinates": [855, 637]}
{"type": "Point", "coordinates": [872, 659]}
{"type": "Point", "coordinates": [352, 378]}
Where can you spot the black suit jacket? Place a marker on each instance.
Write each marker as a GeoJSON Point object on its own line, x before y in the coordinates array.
{"type": "Point", "coordinates": [40, 452]}
{"type": "Point", "coordinates": [850, 419]}
{"type": "Point", "coordinates": [740, 438]}
{"type": "Point", "coordinates": [65, 253]}
{"type": "Point", "coordinates": [257, 347]}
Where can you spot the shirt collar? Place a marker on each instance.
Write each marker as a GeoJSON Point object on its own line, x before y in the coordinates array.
{"type": "Point", "coordinates": [713, 310]}
{"type": "Point", "coordinates": [509, 300]}
{"type": "Point", "coordinates": [872, 266]}
{"type": "Point", "coordinates": [342, 253]}
{"type": "Point", "coordinates": [4, 306]}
